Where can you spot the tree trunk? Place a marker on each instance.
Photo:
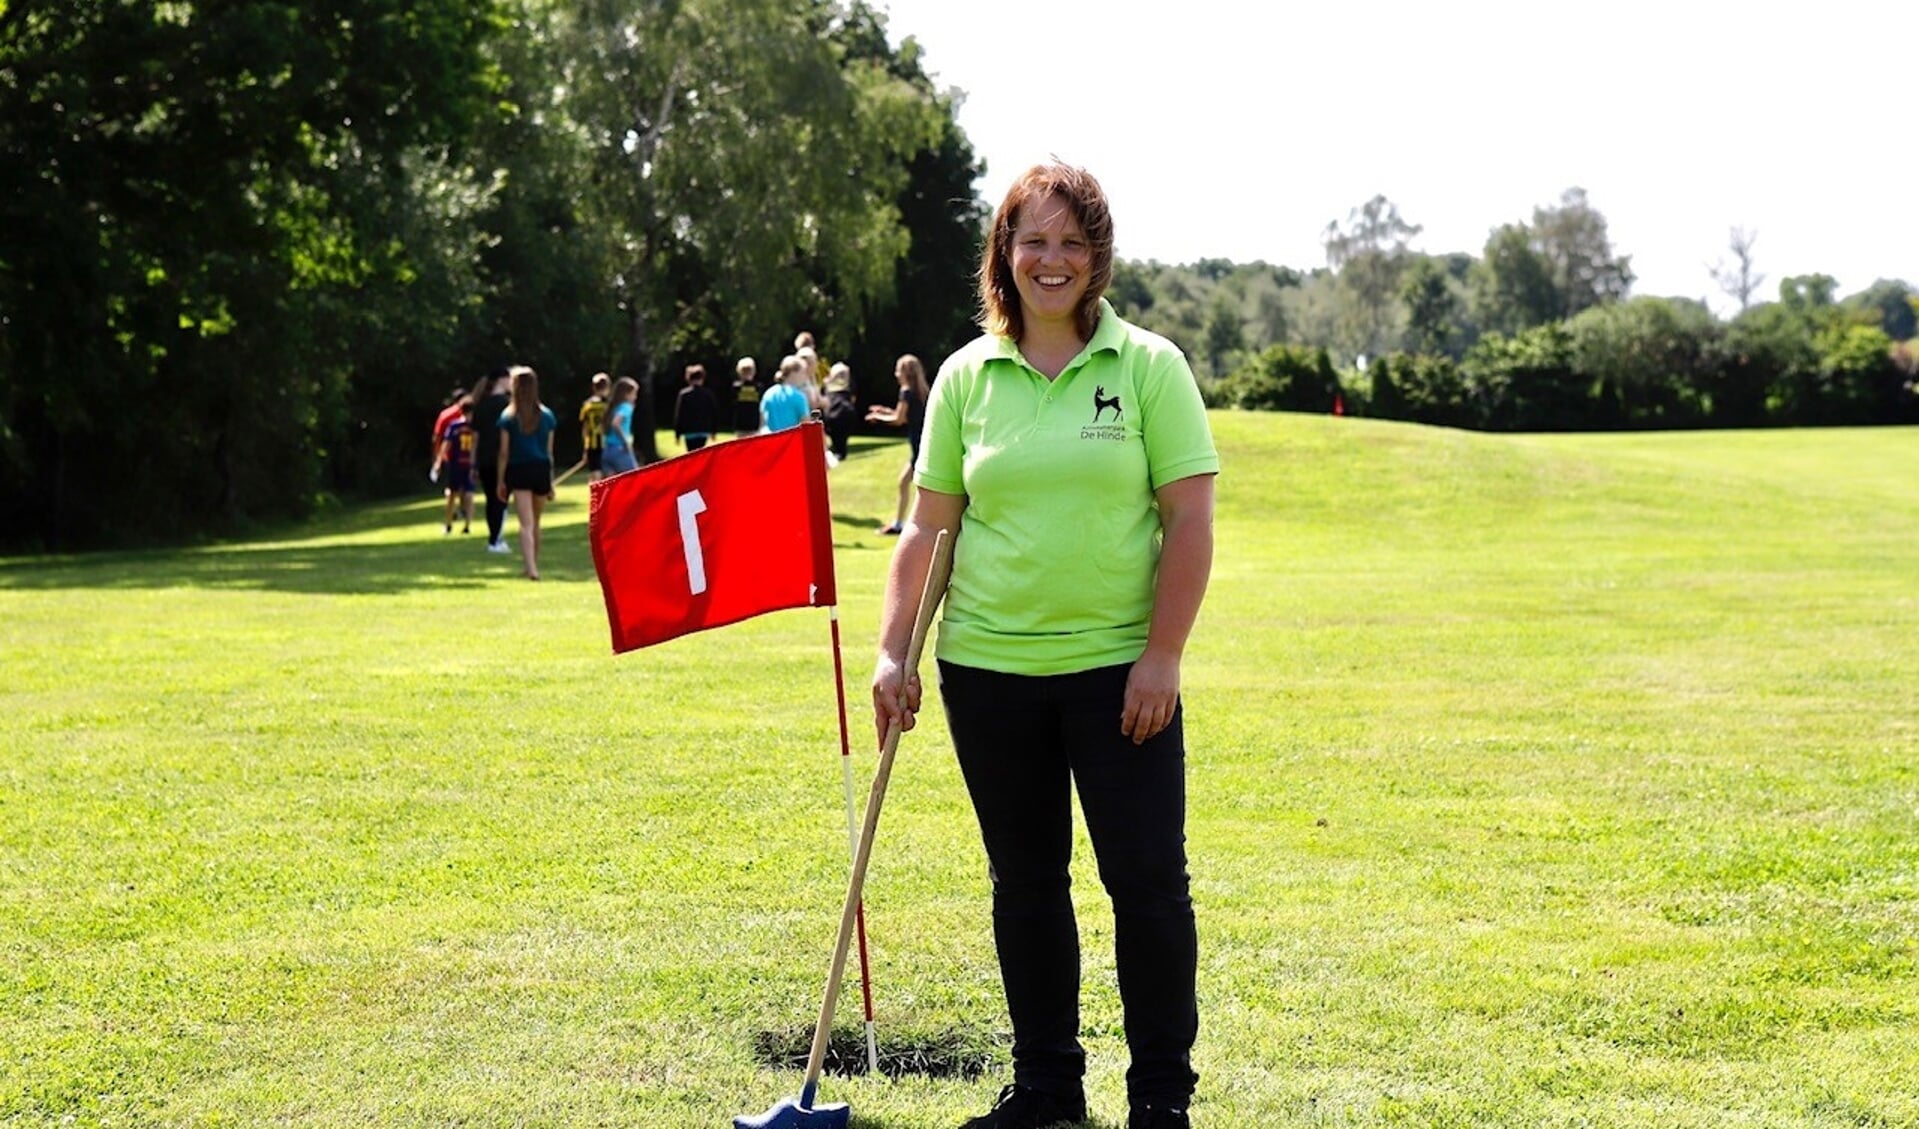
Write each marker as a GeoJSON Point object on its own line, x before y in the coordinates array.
{"type": "Point", "coordinates": [644, 447]}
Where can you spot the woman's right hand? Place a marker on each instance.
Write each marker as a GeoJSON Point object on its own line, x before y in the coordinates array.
{"type": "Point", "coordinates": [896, 696]}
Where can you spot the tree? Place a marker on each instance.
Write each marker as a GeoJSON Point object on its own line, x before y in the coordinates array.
{"type": "Point", "coordinates": [1890, 305]}
{"type": "Point", "coordinates": [1433, 307]}
{"type": "Point", "coordinates": [1224, 335]}
{"type": "Point", "coordinates": [210, 211]}
{"type": "Point", "coordinates": [1284, 378]}
{"type": "Point", "coordinates": [1651, 361]}
{"type": "Point", "coordinates": [1738, 279]}
{"type": "Point", "coordinates": [1131, 292]}
{"type": "Point", "coordinates": [1512, 288]}
{"type": "Point", "coordinates": [934, 301]}
{"type": "Point", "coordinates": [1368, 255]}
{"type": "Point", "coordinates": [1810, 295]}
{"type": "Point", "coordinates": [1525, 382]}
{"type": "Point", "coordinates": [747, 164]}
{"type": "Point", "coordinates": [1572, 238]}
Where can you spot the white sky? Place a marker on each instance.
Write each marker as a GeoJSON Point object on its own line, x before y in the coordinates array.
{"type": "Point", "coordinates": [1239, 129]}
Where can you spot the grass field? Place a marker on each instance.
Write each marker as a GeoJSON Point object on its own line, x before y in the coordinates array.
{"type": "Point", "coordinates": [1536, 781]}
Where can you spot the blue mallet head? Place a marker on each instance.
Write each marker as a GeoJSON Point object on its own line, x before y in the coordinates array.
{"type": "Point", "coordinates": [789, 1114]}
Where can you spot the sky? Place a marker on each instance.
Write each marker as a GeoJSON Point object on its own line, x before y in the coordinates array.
{"type": "Point", "coordinates": [1239, 129]}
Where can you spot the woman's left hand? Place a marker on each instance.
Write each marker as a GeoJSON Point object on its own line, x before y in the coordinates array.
{"type": "Point", "coordinates": [1152, 693]}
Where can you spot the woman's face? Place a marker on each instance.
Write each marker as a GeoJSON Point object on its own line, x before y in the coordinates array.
{"type": "Point", "coordinates": [1051, 261]}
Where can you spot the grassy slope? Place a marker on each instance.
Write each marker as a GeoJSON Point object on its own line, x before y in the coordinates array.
{"type": "Point", "coordinates": [1536, 781]}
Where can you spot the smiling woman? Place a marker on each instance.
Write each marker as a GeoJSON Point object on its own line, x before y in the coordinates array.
{"type": "Point", "coordinates": [1070, 452]}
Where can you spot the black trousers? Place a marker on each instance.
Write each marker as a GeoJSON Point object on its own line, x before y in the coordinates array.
{"type": "Point", "coordinates": [489, 474]}
{"type": "Point", "coordinates": [1024, 744]}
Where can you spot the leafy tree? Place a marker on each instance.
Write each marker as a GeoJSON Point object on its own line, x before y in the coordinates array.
{"type": "Point", "coordinates": [1131, 291]}
{"type": "Point", "coordinates": [1384, 398]}
{"type": "Point", "coordinates": [1512, 288]}
{"type": "Point", "coordinates": [1369, 253]}
{"type": "Point", "coordinates": [1808, 294]}
{"type": "Point", "coordinates": [1429, 389]}
{"type": "Point", "coordinates": [1434, 307]}
{"type": "Point", "coordinates": [1651, 361]}
{"type": "Point", "coordinates": [1768, 352]}
{"type": "Point", "coordinates": [1892, 306]}
{"type": "Point", "coordinates": [1572, 238]}
{"type": "Point", "coordinates": [1856, 382]}
{"type": "Point", "coordinates": [1284, 378]}
{"type": "Point", "coordinates": [747, 164]}
{"type": "Point", "coordinates": [931, 311]}
{"type": "Point", "coordinates": [1526, 382]}
{"type": "Point", "coordinates": [210, 212]}
{"type": "Point", "coordinates": [1224, 335]}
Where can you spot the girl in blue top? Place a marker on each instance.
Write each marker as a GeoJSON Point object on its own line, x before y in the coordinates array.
{"type": "Point", "coordinates": [618, 456]}
{"type": "Point", "coordinates": [526, 461]}
{"type": "Point", "coordinates": [785, 404]}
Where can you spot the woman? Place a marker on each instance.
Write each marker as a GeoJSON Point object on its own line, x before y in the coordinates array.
{"type": "Point", "coordinates": [1069, 453]}
{"type": "Point", "coordinates": [489, 400]}
{"type": "Point", "coordinates": [909, 413]}
{"type": "Point", "coordinates": [617, 456]}
{"type": "Point", "coordinates": [526, 462]}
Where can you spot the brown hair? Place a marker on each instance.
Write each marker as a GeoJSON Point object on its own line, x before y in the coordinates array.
{"type": "Point", "coordinates": [624, 389]}
{"type": "Point", "coordinates": [915, 372]}
{"type": "Point", "coordinates": [1000, 312]}
{"type": "Point", "coordinates": [526, 399]}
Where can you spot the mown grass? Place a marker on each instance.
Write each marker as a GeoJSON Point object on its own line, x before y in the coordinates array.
{"type": "Point", "coordinates": [1536, 781]}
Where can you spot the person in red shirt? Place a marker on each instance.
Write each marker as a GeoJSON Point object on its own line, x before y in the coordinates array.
{"type": "Point", "coordinates": [454, 467]}
{"type": "Point", "coordinates": [448, 413]}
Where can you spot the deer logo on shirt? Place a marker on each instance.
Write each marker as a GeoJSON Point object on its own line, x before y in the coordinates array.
{"type": "Point", "coordinates": [1101, 401]}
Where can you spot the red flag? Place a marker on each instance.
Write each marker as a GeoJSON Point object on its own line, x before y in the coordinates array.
{"type": "Point", "coordinates": [713, 537]}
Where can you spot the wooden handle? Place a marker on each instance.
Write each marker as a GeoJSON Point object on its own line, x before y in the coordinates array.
{"type": "Point", "coordinates": [937, 574]}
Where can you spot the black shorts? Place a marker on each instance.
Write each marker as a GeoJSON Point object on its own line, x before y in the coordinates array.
{"type": "Point", "coordinates": [536, 477]}
{"type": "Point", "coordinates": [593, 459]}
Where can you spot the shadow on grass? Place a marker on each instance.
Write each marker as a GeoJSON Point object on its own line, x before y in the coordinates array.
{"type": "Point", "coordinates": [309, 557]}
{"type": "Point", "coordinates": [939, 1054]}
{"type": "Point", "coordinates": [966, 1054]}
{"type": "Point", "coordinates": [315, 559]}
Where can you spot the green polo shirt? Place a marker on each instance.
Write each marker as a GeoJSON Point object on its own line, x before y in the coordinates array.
{"type": "Point", "coordinates": [1058, 550]}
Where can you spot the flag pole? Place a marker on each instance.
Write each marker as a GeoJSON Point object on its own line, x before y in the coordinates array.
{"type": "Point", "coordinates": [852, 844]}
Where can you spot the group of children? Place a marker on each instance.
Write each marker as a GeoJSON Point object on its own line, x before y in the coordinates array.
{"type": "Point", "coordinates": [497, 438]}
{"type": "Point", "coordinates": [805, 384]}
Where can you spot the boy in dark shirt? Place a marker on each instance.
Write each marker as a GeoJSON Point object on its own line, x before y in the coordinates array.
{"type": "Point", "coordinates": [696, 415]}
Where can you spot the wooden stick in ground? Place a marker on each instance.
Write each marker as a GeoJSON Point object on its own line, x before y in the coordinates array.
{"type": "Point", "coordinates": [936, 576]}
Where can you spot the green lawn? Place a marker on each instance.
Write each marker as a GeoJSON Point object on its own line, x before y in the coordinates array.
{"type": "Point", "coordinates": [1536, 781]}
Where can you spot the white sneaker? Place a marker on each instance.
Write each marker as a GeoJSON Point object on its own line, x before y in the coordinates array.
{"type": "Point", "coordinates": [497, 547]}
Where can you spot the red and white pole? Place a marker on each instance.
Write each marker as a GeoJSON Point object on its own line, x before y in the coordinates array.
{"type": "Point", "coordinates": [852, 846]}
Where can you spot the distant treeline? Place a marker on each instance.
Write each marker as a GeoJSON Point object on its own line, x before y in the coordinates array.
{"type": "Point", "coordinates": [1538, 333]}
{"type": "Point", "coordinates": [246, 251]}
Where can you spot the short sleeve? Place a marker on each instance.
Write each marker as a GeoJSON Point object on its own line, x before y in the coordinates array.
{"type": "Point", "coordinates": [1179, 441]}
{"type": "Point", "coordinates": [942, 448]}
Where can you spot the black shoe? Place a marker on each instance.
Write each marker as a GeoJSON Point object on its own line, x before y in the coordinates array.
{"type": "Point", "coordinates": [1157, 1117]}
{"type": "Point", "coordinates": [1021, 1108]}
